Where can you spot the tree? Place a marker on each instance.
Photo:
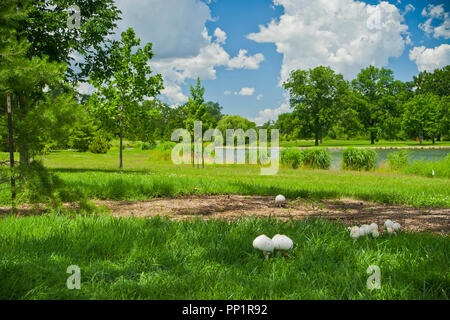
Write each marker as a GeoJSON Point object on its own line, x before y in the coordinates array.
{"type": "Point", "coordinates": [315, 96]}
{"type": "Point", "coordinates": [46, 30]}
{"type": "Point", "coordinates": [117, 100]}
{"type": "Point", "coordinates": [36, 50]}
{"type": "Point", "coordinates": [235, 122]}
{"type": "Point", "coordinates": [421, 116]}
{"type": "Point", "coordinates": [375, 88]}
{"type": "Point", "coordinates": [436, 82]}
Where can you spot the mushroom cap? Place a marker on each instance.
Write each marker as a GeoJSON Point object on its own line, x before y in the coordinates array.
{"type": "Point", "coordinates": [396, 226]}
{"type": "Point", "coordinates": [373, 227]}
{"type": "Point", "coordinates": [282, 242]}
{"type": "Point", "coordinates": [364, 230]}
{"type": "Point", "coordinates": [388, 224]}
{"type": "Point", "coordinates": [354, 232]}
{"type": "Point", "coordinates": [280, 198]}
{"type": "Point", "coordinates": [263, 243]}
{"type": "Point", "coordinates": [390, 230]}
{"type": "Point", "coordinates": [375, 233]}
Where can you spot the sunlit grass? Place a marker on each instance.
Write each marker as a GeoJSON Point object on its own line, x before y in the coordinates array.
{"type": "Point", "coordinates": [98, 177]}
{"type": "Point", "coordinates": [159, 259]}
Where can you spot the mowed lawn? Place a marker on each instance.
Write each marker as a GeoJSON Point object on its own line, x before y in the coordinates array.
{"type": "Point", "coordinates": [158, 259]}
{"type": "Point", "coordinates": [98, 177]}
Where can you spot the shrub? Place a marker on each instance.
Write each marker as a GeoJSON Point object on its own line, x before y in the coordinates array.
{"type": "Point", "coordinates": [99, 145]}
{"type": "Point", "coordinates": [292, 157]}
{"type": "Point", "coordinates": [318, 158]}
{"type": "Point", "coordinates": [148, 145]}
{"type": "Point", "coordinates": [358, 159]}
{"type": "Point", "coordinates": [163, 152]}
{"type": "Point", "coordinates": [168, 145]}
{"type": "Point", "coordinates": [398, 160]}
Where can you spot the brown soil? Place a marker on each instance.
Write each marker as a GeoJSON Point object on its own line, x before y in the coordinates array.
{"type": "Point", "coordinates": [232, 207]}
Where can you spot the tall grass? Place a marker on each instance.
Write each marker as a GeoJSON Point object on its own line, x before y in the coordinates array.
{"type": "Point", "coordinates": [159, 259]}
{"type": "Point", "coordinates": [358, 159]}
{"type": "Point", "coordinates": [317, 158]}
{"type": "Point", "coordinates": [441, 168]}
{"type": "Point", "coordinates": [400, 161]}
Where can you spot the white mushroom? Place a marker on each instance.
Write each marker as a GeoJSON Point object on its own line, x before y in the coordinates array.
{"type": "Point", "coordinates": [354, 233]}
{"type": "Point", "coordinates": [280, 199]}
{"type": "Point", "coordinates": [282, 243]}
{"type": "Point", "coordinates": [373, 227]}
{"type": "Point", "coordinates": [397, 227]}
{"type": "Point", "coordinates": [375, 233]}
{"type": "Point", "coordinates": [265, 244]}
{"type": "Point", "coordinates": [364, 230]}
{"type": "Point", "coordinates": [390, 230]}
{"type": "Point", "coordinates": [388, 224]}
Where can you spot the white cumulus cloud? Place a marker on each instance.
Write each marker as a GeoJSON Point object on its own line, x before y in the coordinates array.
{"type": "Point", "coordinates": [247, 91]}
{"type": "Point", "coordinates": [437, 12]}
{"type": "Point", "coordinates": [221, 36]}
{"type": "Point", "coordinates": [346, 35]}
{"type": "Point", "coordinates": [429, 59]}
{"type": "Point", "coordinates": [270, 114]}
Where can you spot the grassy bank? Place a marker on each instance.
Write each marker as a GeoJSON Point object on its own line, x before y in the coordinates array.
{"type": "Point", "coordinates": [158, 259]}
{"type": "Point", "coordinates": [98, 177]}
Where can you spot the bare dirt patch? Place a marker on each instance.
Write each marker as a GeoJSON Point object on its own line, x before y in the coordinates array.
{"type": "Point", "coordinates": [232, 207]}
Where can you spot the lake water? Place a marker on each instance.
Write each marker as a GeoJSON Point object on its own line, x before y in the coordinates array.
{"type": "Point", "coordinates": [382, 155]}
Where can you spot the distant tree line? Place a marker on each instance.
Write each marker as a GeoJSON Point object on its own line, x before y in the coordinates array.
{"type": "Point", "coordinates": [372, 106]}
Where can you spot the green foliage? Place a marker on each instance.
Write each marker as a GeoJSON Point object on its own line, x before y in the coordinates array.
{"type": "Point", "coordinates": [316, 95]}
{"type": "Point", "coordinates": [422, 116]}
{"type": "Point", "coordinates": [117, 102]}
{"type": "Point", "coordinates": [292, 157]}
{"type": "Point", "coordinates": [148, 145]}
{"type": "Point", "coordinates": [234, 123]}
{"type": "Point", "coordinates": [99, 145]}
{"type": "Point", "coordinates": [398, 160]}
{"type": "Point", "coordinates": [317, 158]}
{"type": "Point", "coordinates": [375, 98]}
{"type": "Point", "coordinates": [358, 159]}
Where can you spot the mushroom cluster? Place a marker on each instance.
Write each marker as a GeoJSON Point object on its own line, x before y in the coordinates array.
{"type": "Point", "coordinates": [279, 243]}
{"type": "Point", "coordinates": [392, 227]}
{"type": "Point", "coordinates": [365, 230]}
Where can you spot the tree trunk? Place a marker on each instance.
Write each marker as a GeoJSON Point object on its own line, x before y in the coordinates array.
{"type": "Point", "coordinates": [11, 155]}
{"type": "Point", "coordinates": [121, 138]}
{"type": "Point", "coordinates": [433, 140]}
{"type": "Point", "coordinates": [317, 139]}
{"type": "Point", "coordinates": [372, 138]}
{"type": "Point", "coordinates": [421, 137]}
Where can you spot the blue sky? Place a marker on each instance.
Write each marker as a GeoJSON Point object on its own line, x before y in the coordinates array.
{"type": "Point", "coordinates": [244, 49]}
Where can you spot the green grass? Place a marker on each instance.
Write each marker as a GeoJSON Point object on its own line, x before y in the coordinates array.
{"type": "Point", "coordinates": [362, 143]}
{"type": "Point", "coordinates": [142, 179]}
{"type": "Point", "coordinates": [159, 259]}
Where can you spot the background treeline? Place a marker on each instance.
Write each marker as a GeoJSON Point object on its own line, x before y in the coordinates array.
{"type": "Point", "coordinates": [373, 106]}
